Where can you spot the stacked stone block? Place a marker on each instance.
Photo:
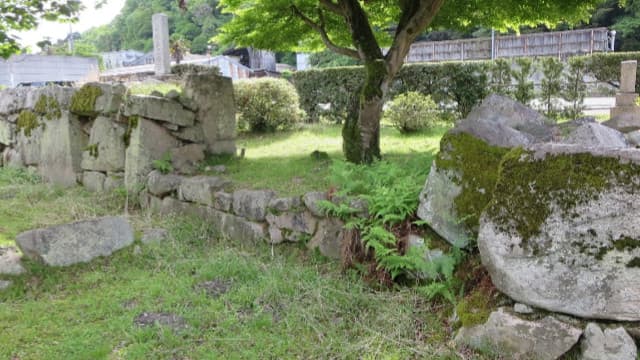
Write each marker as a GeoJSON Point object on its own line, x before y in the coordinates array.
{"type": "Point", "coordinates": [103, 138]}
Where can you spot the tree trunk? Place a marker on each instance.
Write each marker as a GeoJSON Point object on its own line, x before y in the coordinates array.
{"type": "Point", "coordinates": [361, 131]}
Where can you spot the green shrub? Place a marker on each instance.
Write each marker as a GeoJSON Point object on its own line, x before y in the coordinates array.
{"type": "Point", "coordinates": [551, 86]}
{"type": "Point", "coordinates": [267, 104]}
{"type": "Point", "coordinates": [575, 89]}
{"type": "Point", "coordinates": [524, 91]}
{"type": "Point", "coordinates": [606, 66]}
{"type": "Point", "coordinates": [412, 112]}
{"type": "Point", "coordinates": [463, 84]}
{"type": "Point", "coordinates": [500, 72]}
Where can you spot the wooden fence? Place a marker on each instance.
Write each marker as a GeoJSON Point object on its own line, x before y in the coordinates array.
{"type": "Point", "coordinates": [560, 43]}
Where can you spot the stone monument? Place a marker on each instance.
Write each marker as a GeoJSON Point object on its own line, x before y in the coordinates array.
{"type": "Point", "coordinates": [625, 116]}
{"type": "Point", "coordinates": [162, 59]}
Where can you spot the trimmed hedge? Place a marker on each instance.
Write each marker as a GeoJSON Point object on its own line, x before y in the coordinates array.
{"type": "Point", "coordinates": [464, 84]}
{"type": "Point", "coordinates": [606, 66]}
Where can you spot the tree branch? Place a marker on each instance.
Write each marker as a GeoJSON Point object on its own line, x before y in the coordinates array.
{"type": "Point", "coordinates": [331, 6]}
{"type": "Point", "coordinates": [415, 17]}
{"type": "Point", "coordinates": [320, 28]}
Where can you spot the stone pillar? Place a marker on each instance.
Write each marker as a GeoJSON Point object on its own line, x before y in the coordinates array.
{"type": "Point", "coordinates": [628, 76]}
{"type": "Point", "coordinates": [161, 56]}
{"type": "Point", "coordinates": [213, 96]}
{"type": "Point", "coordinates": [625, 116]}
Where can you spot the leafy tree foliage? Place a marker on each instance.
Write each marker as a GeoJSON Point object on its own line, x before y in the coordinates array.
{"type": "Point", "coordinates": [17, 15]}
{"type": "Point", "coordinates": [361, 29]}
{"type": "Point", "coordinates": [196, 23]}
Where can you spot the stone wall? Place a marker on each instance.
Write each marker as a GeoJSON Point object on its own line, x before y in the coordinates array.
{"type": "Point", "coordinates": [245, 215]}
{"type": "Point", "coordinates": [103, 138]}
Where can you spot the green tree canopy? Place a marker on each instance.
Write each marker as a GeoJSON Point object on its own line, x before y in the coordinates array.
{"type": "Point", "coordinates": [362, 28]}
{"type": "Point", "coordinates": [18, 15]}
{"type": "Point", "coordinates": [131, 29]}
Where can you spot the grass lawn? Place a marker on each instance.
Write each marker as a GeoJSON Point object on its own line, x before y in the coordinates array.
{"type": "Point", "coordinates": [283, 161]}
{"type": "Point", "coordinates": [281, 303]}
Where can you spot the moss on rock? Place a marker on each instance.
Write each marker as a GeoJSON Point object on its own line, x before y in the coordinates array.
{"type": "Point", "coordinates": [48, 107]}
{"type": "Point", "coordinates": [83, 101]}
{"type": "Point", "coordinates": [475, 164]}
{"type": "Point", "coordinates": [93, 150]}
{"type": "Point", "coordinates": [474, 309]}
{"type": "Point", "coordinates": [132, 123]}
{"type": "Point", "coordinates": [27, 122]}
{"type": "Point", "coordinates": [529, 190]}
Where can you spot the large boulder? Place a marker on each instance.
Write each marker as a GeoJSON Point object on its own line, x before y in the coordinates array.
{"type": "Point", "coordinates": [61, 147]}
{"type": "Point", "coordinates": [106, 149]}
{"type": "Point", "coordinates": [597, 135]}
{"type": "Point", "coordinates": [213, 96]}
{"type": "Point", "coordinates": [561, 232]}
{"type": "Point", "coordinates": [612, 344]}
{"type": "Point", "coordinates": [7, 132]}
{"type": "Point", "coordinates": [82, 241]}
{"type": "Point", "coordinates": [516, 338]}
{"type": "Point", "coordinates": [465, 170]}
{"type": "Point", "coordinates": [160, 109]}
{"type": "Point", "coordinates": [148, 142]}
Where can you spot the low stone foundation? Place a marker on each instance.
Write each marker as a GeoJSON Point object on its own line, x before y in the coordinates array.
{"type": "Point", "coordinates": [245, 215]}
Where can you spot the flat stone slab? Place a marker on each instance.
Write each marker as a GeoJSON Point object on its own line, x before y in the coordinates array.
{"type": "Point", "coordinates": [78, 242]}
{"type": "Point", "coordinates": [201, 189]}
{"type": "Point", "coordinates": [510, 336]}
{"type": "Point", "coordinates": [10, 261]}
{"type": "Point", "coordinates": [612, 344]}
{"type": "Point", "coordinates": [159, 108]}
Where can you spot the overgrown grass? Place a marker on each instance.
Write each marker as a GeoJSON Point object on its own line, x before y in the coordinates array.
{"type": "Point", "coordinates": [282, 303]}
{"type": "Point", "coordinates": [283, 161]}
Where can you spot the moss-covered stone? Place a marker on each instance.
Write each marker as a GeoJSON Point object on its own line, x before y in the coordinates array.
{"type": "Point", "coordinates": [27, 122]}
{"type": "Point", "coordinates": [475, 164]}
{"type": "Point", "coordinates": [132, 123]}
{"type": "Point", "coordinates": [93, 150]}
{"type": "Point", "coordinates": [48, 107]}
{"type": "Point", "coordinates": [634, 263]}
{"type": "Point", "coordinates": [530, 190]}
{"type": "Point", "coordinates": [474, 309]}
{"type": "Point", "coordinates": [83, 101]}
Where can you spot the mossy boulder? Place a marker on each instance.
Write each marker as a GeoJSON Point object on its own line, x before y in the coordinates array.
{"type": "Point", "coordinates": [97, 98]}
{"type": "Point", "coordinates": [562, 230]}
{"type": "Point", "coordinates": [465, 170]}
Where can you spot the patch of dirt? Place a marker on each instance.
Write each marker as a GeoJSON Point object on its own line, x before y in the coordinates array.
{"type": "Point", "coordinates": [172, 321]}
{"type": "Point", "coordinates": [216, 287]}
{"type": "Point", "coordinates": [130, 304]}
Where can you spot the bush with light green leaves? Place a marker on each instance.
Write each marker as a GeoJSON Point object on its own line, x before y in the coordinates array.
{"type": "Point", "coordinates": [267, 104]}
{"type": "Point", "coordinates": [411, 112]}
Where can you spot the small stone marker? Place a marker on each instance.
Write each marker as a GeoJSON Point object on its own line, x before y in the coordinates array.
{"type": "Point", "coordinates": [625, 116]}
{"type": "Point", "coordinates": [162, 59]}
{"type": "Point", "coordinates": [628, 76]}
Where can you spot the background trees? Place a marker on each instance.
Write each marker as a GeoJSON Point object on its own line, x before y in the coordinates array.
{"type": "Point", "coordinates": [16, 15]}
{"type": "Point", "coordinates": [361, 29]}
